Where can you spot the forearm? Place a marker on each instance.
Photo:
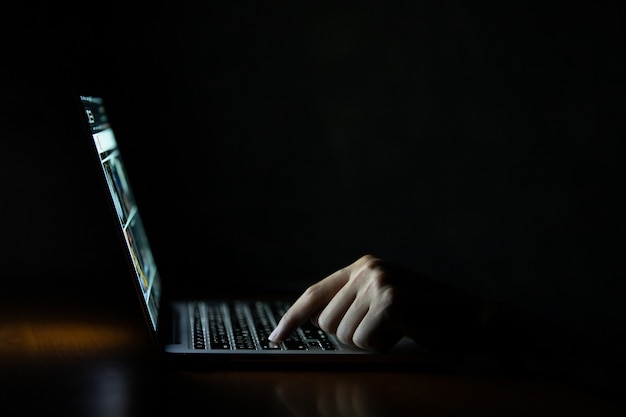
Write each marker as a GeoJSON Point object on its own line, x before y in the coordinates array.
{"type": "Point", "coordinates": [521, 339]}
{"type": "Point", "coordinates": [454, 320]}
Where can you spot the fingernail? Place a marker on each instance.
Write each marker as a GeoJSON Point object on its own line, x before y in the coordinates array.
{"type": "Point", "coordinates": [272, 337]}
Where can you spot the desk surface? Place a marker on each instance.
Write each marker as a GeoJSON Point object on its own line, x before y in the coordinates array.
{"type": "Point", "coordinates": [65, 357]}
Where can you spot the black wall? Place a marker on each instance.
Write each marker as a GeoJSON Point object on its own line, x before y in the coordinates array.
{"type": "Point", "coordinates": [478, 144]}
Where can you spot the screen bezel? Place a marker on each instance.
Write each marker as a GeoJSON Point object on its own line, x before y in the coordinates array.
{"type": "Point", "coordinates": [80, 90]}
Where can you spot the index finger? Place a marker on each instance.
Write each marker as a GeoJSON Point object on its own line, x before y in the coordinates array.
{"type": "Point", "coordinates": [309, 303]}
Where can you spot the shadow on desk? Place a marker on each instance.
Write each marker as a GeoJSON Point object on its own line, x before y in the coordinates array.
{"type": "Point", "coordinates": [69, 356]}
{"type": "Point", "coordinates": [381, 394]}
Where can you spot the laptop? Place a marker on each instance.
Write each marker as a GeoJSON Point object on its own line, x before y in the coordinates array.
{"type": "Point", "coordinates": [207, 330]}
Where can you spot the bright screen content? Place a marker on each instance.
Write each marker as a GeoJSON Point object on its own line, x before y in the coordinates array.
{"type": "Point", "coordinates": [125, 206]}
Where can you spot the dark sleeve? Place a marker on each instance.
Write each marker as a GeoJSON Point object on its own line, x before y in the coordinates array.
{"type": "Point", "coordinates": [520, 339]}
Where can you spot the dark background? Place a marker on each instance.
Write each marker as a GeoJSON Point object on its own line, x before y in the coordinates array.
{"type": "Point", "coordinates": [478, 144]}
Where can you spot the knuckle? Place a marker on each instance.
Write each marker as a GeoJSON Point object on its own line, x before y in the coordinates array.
{"type": "Point", "coordinates": [365, 258]}
{"type": "Point", "coordinates": [361, 341]}
{"type": "Point", "coordinates": [388, 297]}
{"type": "Point", "coordinates": [311, 291]}
{"type": "Point", "coordinates": [373, 273]}
{"type": "Point", "coordinates": [311, 295]}
{"type": "Point", "coordinates": [325, 323]}
{"type": "Point", "coordinates": [379, 280]}
{"type": "Point", "coordinates": [345, 336]}
{"type": "Point", "coordinates": [371, 262]}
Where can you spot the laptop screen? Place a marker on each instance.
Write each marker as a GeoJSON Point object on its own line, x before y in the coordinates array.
{"type": "Point", "coordinates": [122, 196]}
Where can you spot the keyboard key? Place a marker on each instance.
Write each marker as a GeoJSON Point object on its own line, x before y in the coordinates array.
{"type": "Point", "coordinates": [199, 340]}
{"type": "Point", "coordinates": [242, 333]}
{"type": "Point", "coordinates": [251, 324]}
{"type": "Point", "coordinates": [294, 345]}
{"type": "Point", "coordinates": [218, 335]}
{"type": "Point", "coordinates": [267, 345]}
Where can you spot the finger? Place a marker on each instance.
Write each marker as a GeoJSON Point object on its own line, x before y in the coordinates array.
{"type": "Point", "coordinates": [315, 318]}
{"type": "Point", "coordinates": [377, 329]}
{"type": "Point", "coordinates": [333, 313]}
{"type": "Point", "coordinates": [351, 320]}
{"type": "Point", "coordinates": [329, 317]}
{"type": "Point", "coordinates": [310, 302]}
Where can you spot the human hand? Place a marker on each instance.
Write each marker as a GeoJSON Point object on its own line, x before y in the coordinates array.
{"type": "Point", "coordinates": [365, 304]}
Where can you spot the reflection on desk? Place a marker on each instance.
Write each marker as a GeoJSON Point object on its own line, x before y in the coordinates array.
{"type": "Point", "coordinates": [369, 394]}
{"type": "Point", "coordinates": [68, 358]}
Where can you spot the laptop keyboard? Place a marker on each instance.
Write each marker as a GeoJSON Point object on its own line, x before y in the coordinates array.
{"type": "Point", "coordinates": [246, 326]}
